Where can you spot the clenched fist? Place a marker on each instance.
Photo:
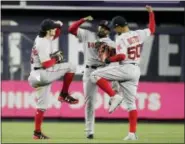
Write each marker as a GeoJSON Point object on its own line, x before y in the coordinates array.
{"type": "Point", "coordinates": [88, 18]}
{"type": "Point", "coordinates": [59, 22]}
{"type": "Point", "coordinates": [149, 8]}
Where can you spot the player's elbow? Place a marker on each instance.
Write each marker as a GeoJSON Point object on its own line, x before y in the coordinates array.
{"type": "Point", "coordinates": [72, 30]}
{"type": "Point", "coordinates": [117, 58]}
{"type": "Point", "coordinates": [57, 33]}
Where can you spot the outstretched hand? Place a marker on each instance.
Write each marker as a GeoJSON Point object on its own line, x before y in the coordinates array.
{"type": "Point", "coordinates": [88, 18]}
{"type": "Point", "coordinates": [59, 22]}
{"type": "Point", "coordinates": [149, 8]}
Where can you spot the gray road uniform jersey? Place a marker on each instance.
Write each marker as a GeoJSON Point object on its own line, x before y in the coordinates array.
{"type": "Point", "coordinates": [128, 72]}
{"type": "Point", "coordinates": [88, 39]}
{"type": "Point", "coordinates": [41, 50]}
{"type": "Point", "coordinates": [90, 53]}
{"type": "Point", "coordinates": [40, 78]}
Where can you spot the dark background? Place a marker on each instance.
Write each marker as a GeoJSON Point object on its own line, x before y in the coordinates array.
{"type": "Point", "coordinates": [29, 21]}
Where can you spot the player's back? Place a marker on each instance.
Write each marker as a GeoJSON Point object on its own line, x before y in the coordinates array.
{"type": "Point", "coordinates": [130, 44]}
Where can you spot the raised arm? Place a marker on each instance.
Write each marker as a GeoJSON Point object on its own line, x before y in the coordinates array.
{"type": "Point", "coordinates": [151, 19]}
{"type": "Point", "coordinates": [58, 31]}
{"type": "Point", "coordinates": [73, 28]}
{"type": "Point", "coordinates": [147, 32]}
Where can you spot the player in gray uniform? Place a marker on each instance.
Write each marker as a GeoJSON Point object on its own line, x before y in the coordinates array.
{"type": "Point", "coordinates": [128, 48]}
{"type": "Point", "coordinates": [47, 66]}
{"type": "Point", "coordinates": [91, 64]}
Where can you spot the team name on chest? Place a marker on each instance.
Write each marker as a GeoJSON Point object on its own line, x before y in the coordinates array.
{"type": "Point", "coordinates": [132, 40]}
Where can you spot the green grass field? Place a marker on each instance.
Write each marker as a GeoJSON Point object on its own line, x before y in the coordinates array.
{"type": "Point", "coordinates": [63, 132]}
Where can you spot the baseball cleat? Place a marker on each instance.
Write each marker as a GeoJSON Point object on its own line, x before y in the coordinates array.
{"type": "Point", "coordinates": [91, 136]}
{"type": "Point", "coordinates": [115, 102]}
{"type": "Point", "coordinates": [65, 97]}
{"type": "Point", "coordinates": [131, 136]}
{"type": "Point", "coordinates": [39, 135]}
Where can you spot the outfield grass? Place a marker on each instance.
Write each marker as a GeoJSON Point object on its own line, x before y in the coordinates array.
{"type": "Point", "coordinates": [63, 132]}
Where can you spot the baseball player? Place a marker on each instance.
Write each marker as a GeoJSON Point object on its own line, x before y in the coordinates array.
{"type": "Point", "coordinates": [127, 73]}
{"type": "Point", "coordinates": [47, 66]}
{"type": "Point", "coordinates": [92, 62]}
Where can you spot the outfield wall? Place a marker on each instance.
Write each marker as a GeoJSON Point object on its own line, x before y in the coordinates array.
{"type": "Point", "coordinates": [154, 101]}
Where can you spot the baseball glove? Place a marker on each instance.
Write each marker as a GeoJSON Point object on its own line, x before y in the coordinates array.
{"type": "Point", "coordinates": [104, 51]}
{"type": "Point", "coordinates": [58, 55]}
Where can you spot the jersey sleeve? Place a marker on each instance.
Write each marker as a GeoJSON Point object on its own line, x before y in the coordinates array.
{"type": "Point", "coordinates": [82, 34]}
{"type": "Point", "coordinates": [144, 34]}
{"type": "Point", "coordinates": [109, 42]}
{"type": "Point", "coordinates": [112, 44]}
{"type": "Point", "coordinates": [43, 51]}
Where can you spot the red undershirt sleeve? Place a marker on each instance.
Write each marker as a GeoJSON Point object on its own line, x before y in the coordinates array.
{"type": "Point", "coordinates": [152, 24]}
{"type": "Point", "coordinates": [74, 26]}
{"type": "Point", "coordinates": [117, 58]}
{"type": "Point", "coordinates": [49, 63]}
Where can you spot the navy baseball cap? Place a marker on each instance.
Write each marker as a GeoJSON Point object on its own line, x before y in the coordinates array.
{"type": "Point", "coordinates": [118, 21]}
{"type": "Point", "coordinates": [48, 24]}
{"type": "Point", "coordinates": [105, 24]}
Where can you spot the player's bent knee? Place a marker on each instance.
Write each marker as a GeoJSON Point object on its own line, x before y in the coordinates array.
{"type": "Point", "coordinates": [33, 82]}
{"type": "Point", "coordinates": [42, 108]}
{"type": "Point", "coordinates": [72, 68]}
{"type": "Point", "coordinates": [131, 107]}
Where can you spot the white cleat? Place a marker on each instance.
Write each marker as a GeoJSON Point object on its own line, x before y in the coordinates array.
{"type": "Point", "coordinates": [131, 136]}
{"type": "Point", "coordinates": [115, 102]}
